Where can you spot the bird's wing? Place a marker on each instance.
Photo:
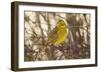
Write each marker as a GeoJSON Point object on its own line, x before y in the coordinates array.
{"type": "Point", "coordinates": [53, 34]}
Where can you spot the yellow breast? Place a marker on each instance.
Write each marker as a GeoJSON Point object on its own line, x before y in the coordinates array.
{"type": "Point", "coordinates": [62, 34]}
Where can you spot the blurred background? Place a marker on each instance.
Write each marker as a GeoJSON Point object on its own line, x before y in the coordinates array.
{"type": "Point", "coordinates": [39, 24]}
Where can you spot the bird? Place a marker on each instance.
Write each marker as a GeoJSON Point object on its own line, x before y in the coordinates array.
{"type": "Point", "coordinates": [58, 35]}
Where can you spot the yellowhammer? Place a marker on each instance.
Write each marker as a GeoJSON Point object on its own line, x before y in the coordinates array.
{"type": "Point", "coordinates": [58, 34]}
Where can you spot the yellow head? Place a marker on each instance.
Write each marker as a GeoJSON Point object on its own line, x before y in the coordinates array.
{"type": "Point", "coordinates": [61, 24]}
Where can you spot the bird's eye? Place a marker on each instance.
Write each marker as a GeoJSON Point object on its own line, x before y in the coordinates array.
{"type": "Point", "coordinates": [62, 24]}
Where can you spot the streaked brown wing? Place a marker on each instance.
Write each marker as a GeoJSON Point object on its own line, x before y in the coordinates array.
{"type": "Point", "coordinates": [53, 34]}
